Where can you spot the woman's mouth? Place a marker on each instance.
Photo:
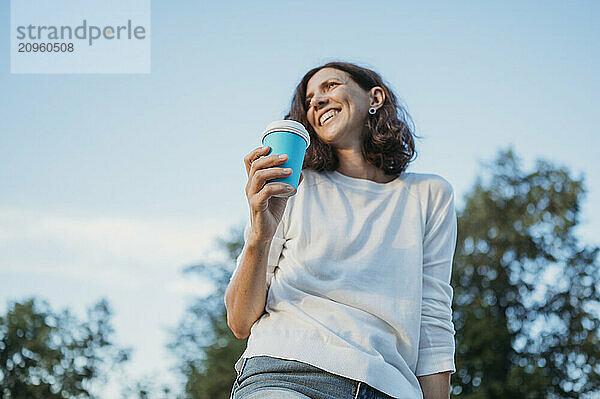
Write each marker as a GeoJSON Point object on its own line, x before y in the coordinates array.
{"type": "Point", "coordinates": [328, 116]}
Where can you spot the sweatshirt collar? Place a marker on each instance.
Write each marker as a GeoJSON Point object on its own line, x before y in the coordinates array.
{"type": "Point", "coordinates": [365, 184]}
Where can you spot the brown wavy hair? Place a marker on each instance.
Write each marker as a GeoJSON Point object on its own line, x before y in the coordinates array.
{"type": "Point", "coordinates": [388, 140]}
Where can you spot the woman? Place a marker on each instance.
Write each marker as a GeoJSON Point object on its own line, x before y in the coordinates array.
{"type": "Point", "coordinates": [357, 298]}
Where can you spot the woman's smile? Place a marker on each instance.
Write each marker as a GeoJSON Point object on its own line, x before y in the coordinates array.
{"type": "Point", "coordinates": [328, 116]}
{"type": "Point", "coordinates": [336, 107]}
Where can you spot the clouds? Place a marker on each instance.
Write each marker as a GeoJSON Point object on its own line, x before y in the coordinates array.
{"type": "Point", "coordinates": [119, 252]}
{"type": "Point", "coordinates": [72, 259]}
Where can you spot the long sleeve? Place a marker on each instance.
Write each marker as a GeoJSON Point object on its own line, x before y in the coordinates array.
{"type": "Point", "coordinates": [364, 276]}
{"type": "Point", "coordinates": [436, 343]}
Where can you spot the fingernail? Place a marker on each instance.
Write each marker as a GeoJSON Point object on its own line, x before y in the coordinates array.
{"type": "Point", "coordinates": [282, 156]}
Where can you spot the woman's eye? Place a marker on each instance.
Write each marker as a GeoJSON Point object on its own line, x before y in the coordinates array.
{"type": "Point", "coordinates": [331, 85]}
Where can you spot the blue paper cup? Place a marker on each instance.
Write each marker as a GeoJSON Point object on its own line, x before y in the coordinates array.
{"type": "Point", "coordinates": [291, 138]}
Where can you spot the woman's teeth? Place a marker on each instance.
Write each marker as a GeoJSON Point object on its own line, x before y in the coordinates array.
{"type": "Point", "coordinates": [328, 115]}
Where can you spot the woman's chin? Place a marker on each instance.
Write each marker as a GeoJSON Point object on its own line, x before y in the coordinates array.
{"type": "Point", "coordinates": [328, 138]}
{"type": "Point", "coordinates": [329, 133]}
{"type": "Point", "coordinates": [335, 137]}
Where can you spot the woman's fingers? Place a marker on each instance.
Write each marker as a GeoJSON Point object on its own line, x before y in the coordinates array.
{"type": "Point", "coordinates": [260, 177]}
{"type": "Point", "coordinates": [265, 162]}
{"type": "Point", "coordinates": [259, 201]}
{"type": "Point", "coordinates": [261, 168]}
{"type": "Point", "coordinates": [262, 163]}
{"type": "Point", "coordinates": [254, 155]}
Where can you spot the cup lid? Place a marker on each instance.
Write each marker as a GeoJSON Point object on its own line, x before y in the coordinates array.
{"type": "Point", "coordinates": [289, 126]}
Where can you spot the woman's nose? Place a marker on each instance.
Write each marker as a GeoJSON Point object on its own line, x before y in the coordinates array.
{"type": "Point", "coordinates": [318, 102]}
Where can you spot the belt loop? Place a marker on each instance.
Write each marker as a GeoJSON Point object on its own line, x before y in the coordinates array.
{"type": "Point", "coordinates": [242, 362]}
{"type": "Point", "coordinates": [357, 390]}
{"type": "Point", "coordinates": [242, 367]}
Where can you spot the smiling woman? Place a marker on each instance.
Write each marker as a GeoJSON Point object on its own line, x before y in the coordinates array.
{"type": "Point", "coordinates": [344, 288]}
{"type": "Point", "coordinates": [388, 140]}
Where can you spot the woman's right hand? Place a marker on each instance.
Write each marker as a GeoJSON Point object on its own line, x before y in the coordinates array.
{"type": "Point", "coordinates": [266, 210]}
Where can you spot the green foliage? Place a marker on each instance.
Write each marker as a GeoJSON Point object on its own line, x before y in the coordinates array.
{"type": "Point", "coordinates": [147, 388]}
{"type": "Point", "coordinates": [44, 355]}
{"type": "Point", "coordinates": [524, 288]}
{"type": "Point", "coordinates": [202, 340]}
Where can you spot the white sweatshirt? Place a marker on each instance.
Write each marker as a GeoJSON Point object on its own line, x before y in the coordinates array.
{"type": "Point", "coordinates": [358, 280]}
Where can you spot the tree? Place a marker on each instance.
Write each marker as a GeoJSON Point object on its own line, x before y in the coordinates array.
{"type": "Point", "coordinates": [202, 340]}
{"type": "Point", "coordinates": [145, 387]}
{"type": "Point", "coordinates": [46, 355]}
{"type": "Point", "coordinates": [524, 288]}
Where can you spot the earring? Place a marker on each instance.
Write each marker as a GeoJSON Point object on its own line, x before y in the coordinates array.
{"type": "Point", "coordinates": [372, 111]}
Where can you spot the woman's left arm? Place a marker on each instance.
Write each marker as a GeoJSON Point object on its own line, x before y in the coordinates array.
{"type": "Point", "coordinates": [435, 360]}
{"type": "Point", "coordinates": [435, 386]}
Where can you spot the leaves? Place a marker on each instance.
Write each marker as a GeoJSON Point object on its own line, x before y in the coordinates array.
{"type": "Point", "coordinates": [47, 355]}
{"type": "Point", "coordinates": [202, 340]}
{"type": "Point", "coordinates": [521, 281]}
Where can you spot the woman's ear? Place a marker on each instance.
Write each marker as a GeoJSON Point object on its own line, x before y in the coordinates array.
{"type": "Point", "coordinates": [376, 97]}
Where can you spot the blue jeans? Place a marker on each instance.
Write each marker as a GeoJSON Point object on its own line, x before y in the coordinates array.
{"type": "Point", "coordinates": [266, 377]}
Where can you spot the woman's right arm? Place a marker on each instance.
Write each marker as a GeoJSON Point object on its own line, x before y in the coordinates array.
{"type": "Point", "coordinates": [246, 294]}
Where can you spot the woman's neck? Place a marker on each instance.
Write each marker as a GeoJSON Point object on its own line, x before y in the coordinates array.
{"type": "Point", "coordinates": [352, 164]}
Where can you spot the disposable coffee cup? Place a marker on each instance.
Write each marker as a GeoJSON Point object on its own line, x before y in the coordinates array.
{"type": "Point", "coordinates": [290, 138]}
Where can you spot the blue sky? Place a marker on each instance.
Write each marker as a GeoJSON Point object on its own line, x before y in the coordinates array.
{"type": "Point", "coordinates": [111, 184]}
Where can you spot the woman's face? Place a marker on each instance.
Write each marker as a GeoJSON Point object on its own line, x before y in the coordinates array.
{"type": "Point", "coordinates": [338, 107]}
